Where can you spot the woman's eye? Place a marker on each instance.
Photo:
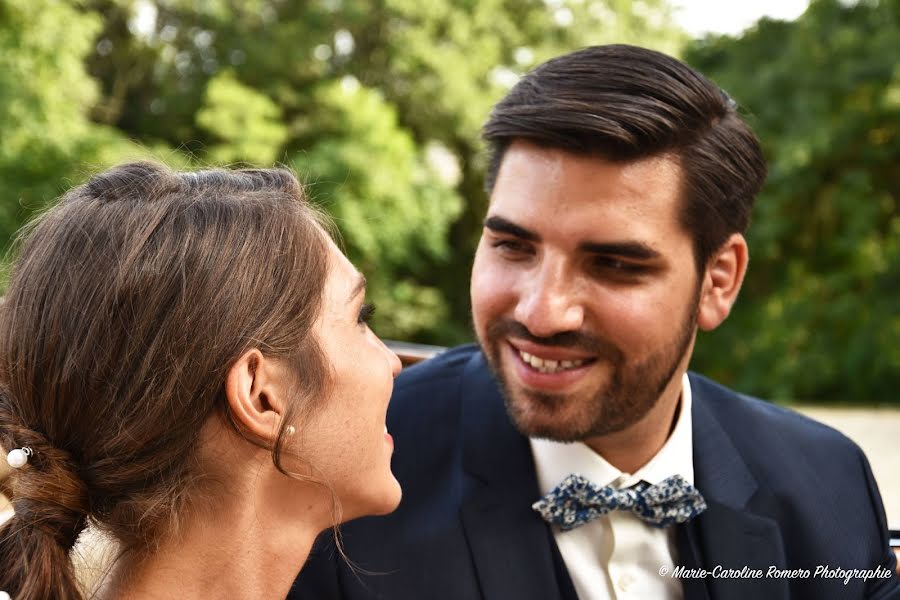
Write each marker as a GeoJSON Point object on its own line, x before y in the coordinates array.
{"type": "Point", "coordinates": [365, 313]}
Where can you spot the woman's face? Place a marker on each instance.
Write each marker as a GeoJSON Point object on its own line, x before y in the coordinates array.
{"type": "Point", "coordinates": [346, 441]}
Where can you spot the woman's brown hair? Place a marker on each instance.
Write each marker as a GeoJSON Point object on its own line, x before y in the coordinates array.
{"type": "Point", "coordinates": [129, 301]}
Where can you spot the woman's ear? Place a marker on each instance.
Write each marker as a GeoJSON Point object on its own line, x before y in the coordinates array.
{"type": "Point", "coordinates": [254, 390]}
{"type": "Point", "coordinates": [722, 281]}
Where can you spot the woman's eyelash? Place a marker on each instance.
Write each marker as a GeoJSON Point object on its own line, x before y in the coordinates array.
{"type": "Point", "coordinates": [365, 313]}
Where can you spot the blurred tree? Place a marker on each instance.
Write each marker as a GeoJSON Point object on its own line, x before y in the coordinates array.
{"type": "Point", "coordinates": [44, 100]}
{"type": "Point", "coordinates": [390, 205]}
{"type": "Point", "coordinates": [247, 124]}
{"type": "Point", "coordinates": [819, 316]}
{"type": "Point", "coordinates": [48, 141]}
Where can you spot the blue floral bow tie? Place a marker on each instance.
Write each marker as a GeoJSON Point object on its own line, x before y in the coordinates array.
{"type": "Point", "coordinates": [576, 501]}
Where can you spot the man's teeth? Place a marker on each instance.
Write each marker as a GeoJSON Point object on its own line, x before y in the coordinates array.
{"type": "Point", "coordinates": [549, 366]}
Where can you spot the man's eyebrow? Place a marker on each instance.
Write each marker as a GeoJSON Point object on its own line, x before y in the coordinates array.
{"type": "Point", "coordinates": [501, 225]}
{"type": "Point", "coordinates": [634, 250]}
{"type": "Point", "coordinates": [359, 287]}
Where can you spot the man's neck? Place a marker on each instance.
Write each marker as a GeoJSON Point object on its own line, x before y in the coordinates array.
{"type": "Point", "coordinates": [633, 447]}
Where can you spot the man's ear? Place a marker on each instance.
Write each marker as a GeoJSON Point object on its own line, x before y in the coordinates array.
{"type": "Point", "coordinates": [722, 281]}
{"type": "Point", "coordinates": [254, 392]}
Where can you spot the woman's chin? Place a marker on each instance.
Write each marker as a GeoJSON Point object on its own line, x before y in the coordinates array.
{"type": "Point", "coordinates": [389, 500]}
{"type": "Point", "coordinates": [383, 504]}
{"type": "Point", "coordinates": [393, 501]}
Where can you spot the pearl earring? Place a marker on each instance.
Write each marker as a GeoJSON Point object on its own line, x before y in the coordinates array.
{"type": "Point", "coordinates": [290, 430]}
{"type": "Point", "coordinates": [18, 457]}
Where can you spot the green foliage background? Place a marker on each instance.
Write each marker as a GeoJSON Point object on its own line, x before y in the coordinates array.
{"type": "Point", "coordinates": [819, 316]}
{"type": "Point", "coordinates": [377, 105]}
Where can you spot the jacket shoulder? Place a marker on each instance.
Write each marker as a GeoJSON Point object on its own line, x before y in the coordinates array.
{"type": "Point", "coordinates": [798, 458]}
{"type": "Point", "coordinates": [436, 376]}
{"type": "Point", "coordinates": [815, 481]}
{"type": "Point", "coordinates": [754, 421]}
{"type": "Point", "coordinates": [427, 395]}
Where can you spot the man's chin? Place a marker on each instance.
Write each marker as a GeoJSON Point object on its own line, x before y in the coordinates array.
{"type": "Point", "coordinates": [563, 418]}
{"type": "Point", "coordinates": [545, 417]}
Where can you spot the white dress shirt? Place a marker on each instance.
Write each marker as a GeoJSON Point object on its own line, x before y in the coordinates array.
{"type": "Point", "coordinates": [618, 556]}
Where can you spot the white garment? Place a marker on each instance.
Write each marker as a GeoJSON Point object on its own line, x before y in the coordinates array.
{"type": "Point", "coordinates": [618, 556]}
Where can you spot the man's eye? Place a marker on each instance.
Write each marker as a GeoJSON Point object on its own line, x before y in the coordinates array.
{"type": "Point", "coordinates": [512, 246]}
{"type": "Point", "coordinates": [610, 263]}
{"type": "Point", "coordinates": [365, 313]}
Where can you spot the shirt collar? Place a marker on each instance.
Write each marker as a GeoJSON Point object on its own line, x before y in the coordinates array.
{"type": "Point", "coordinates": [554, 461]}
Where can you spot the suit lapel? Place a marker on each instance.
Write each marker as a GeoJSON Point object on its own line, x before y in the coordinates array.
{"type": "Point", "coordinates": [688, 547]}
{"type": "Point", "coordinates": [728, 534]}
{"type": "Point", "coordinates": [504, 534]}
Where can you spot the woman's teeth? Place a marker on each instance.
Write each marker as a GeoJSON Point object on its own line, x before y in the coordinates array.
{"type": "Point", "coordinates": [549, 366]}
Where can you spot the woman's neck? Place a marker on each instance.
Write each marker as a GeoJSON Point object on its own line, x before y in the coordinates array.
{"type": "Point", "coordinates": [240, 546]}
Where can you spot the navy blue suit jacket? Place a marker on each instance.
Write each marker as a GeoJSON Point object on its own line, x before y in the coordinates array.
{"type": "Point", "coordinates": [782, 491]}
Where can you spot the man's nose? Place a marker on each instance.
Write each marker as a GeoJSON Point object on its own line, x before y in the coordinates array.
{"type": "Point", "coordinates": [550, 303]}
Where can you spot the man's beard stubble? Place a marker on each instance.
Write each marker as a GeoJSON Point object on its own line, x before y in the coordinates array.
{"type": "Point", "coordinates": [630, 394]}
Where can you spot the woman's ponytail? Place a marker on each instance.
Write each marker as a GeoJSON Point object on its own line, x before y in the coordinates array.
{"type": "Point", "coordinates": [50, 504]}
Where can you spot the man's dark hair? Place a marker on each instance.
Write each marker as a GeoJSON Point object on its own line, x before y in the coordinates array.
{"type": "Point", "coordinates": [624, 103]}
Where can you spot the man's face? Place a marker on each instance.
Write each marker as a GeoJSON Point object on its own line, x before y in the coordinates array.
{"type": "Point", "coordinates": [584, 290]}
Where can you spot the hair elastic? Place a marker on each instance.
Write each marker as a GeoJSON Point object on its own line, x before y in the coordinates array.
{"type": "Point", "coordinates": [17, 459]}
